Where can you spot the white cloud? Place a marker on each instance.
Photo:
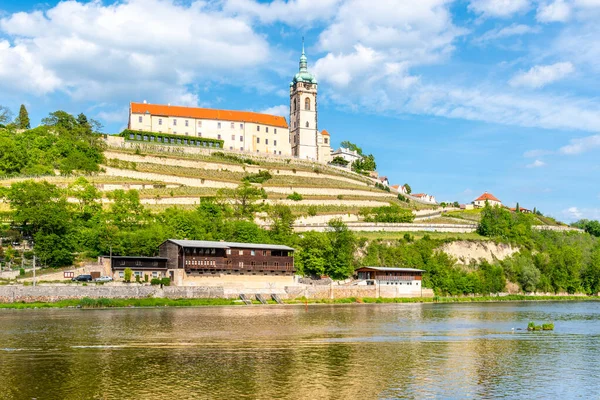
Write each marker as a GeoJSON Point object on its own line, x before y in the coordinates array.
{"type": "Point", "coordinates": [542, 75]}
{"type": "Point", "coordinates": [536, 153]}
{"type": "Point", "coordinates": [281, 110]}
{"type": "Point", "coordinates": [499, 8]}
{"type": "Point", "coordinates": [292, 12]}
{"type": "Point", "coordinates": [128, 50]}
{"type": "Point", "coordinates": [574, 213]}
{"type": "Point", "coordinates": [507, 31]}
{"type": "Point", "coordinates": [557, 11]}
{"type": "Point", "coordinates": [536, 164]}
{"type": "Point", "coordinates": [581, 145]}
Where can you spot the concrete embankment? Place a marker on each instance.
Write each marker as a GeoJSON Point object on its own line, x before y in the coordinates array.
{"type": "Point", "coordinates": [29, 294]}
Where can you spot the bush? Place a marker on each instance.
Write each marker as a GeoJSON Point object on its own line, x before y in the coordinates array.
{"type": "Point", "coordinates": [312, 211]}
{"type": "Point", "coordinates": [21, 272]}
{"type": "Point", "coordinates": [295, 196]}
{"type": "Point", "coordinates": [155, 281]}
{"type": "Point", "coordinates": [137, 279]}
{"type": "Point", "coordinates": [127, 274]}
{"type": "Point", "coordinates": [166, 281]}
{"type": "Point", "coordinates": [260, 177]}
{"type": "Point", "coordinates": [146, 277]}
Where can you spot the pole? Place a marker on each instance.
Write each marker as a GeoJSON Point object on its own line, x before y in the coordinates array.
{"type": "Point", "coordinates": [33, 270]}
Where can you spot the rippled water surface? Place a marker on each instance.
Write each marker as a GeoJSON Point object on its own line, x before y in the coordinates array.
{"type": "Point", "coordinates": [289, 352]}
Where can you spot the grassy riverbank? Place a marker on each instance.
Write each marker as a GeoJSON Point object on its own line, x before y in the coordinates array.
{"type": "Point", "coordinates": [88, 303]}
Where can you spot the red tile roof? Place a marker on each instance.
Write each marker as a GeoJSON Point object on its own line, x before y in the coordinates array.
{"type": "Point", "coordinates": [419, 195]}
{"type": "Point", "coordinates": [325, 133]}
{"type": "Point", "coordinates": [208, 113]}
{"type": "Point", "coordinates": [396, 186]}
{"type": "Point", "coordinates": [487, 196]}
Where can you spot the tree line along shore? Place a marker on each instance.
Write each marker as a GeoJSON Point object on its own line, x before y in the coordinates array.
{"type": "Point", "coordinates": [70, 224]}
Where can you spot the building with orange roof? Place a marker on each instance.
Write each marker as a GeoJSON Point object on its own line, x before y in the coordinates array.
{"type": "Point", "coordinates": [425, 198]}
{"type": "Point", "coordinates": [241, 130]}
{"type": "Point", "coordinates": [487, 197]}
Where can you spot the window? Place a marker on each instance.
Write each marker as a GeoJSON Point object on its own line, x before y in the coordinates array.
{"type": "Point", "coordinates": [138, 273]}
{"type": "Point", "coordinates": [160, 121]}
{"type": "Point", "coordinates": [241, 149]}
{"type": "Point", "coordinates": [307, 104]}
{"type": "Point", "coordinates": [232, 137]}
{"type": "Point", "coordinates": [199, 134]}
{"type": "Point", "coordinates": [264, 263]}
{"type": "Point", "coordinates": [219, 136]}
{"type": "Point", "coordinates": [187, 123]}
{"type": "Point", "coordinates": [274, 142]}
{"type": "Point", "coordinates": [326, 140]}
{"type": "Point", "coordinates": [199, 124]}
{"type": "Point", "coordinates": [232, 125]}
{"type": "Point", "coordinates": [230, 147]}
{"type": "Point", "coordinates": [228, 251]}
{"type": "Point", "coordinates": [241, 264]}
{"type": "Point", "coordinates": [267, 129]}
{"type": "Point", "coordinates": [241, 126]}
{"type": "Point", "coordinates": [266, 141]}
{"type": "Point", "coordinates": [241, 252]}
{"type": "Point", "coordinates": [258, 128]}
{"type": "Point", "coordinates": [140, 119]}
{"type": "Point", "coordinates": [241, 138]}
{"type": "Point", "coordinates": [294, 104]}
{"type": "Point", "coordinates": [219, 125]}
{"type": "Point", "coordinates": [307, 124]}
{"type": "Point", "coordinates": [275, 131]}
{"type": "Point", "coordinates": [138, 263]}
{"type": "Point", "coordinates": [252, 252]}
{"type": "Point", "coordinates": [276, 264]}
{"type": "Point", "coordinates": [174, 122]}
{"type": "Point", "coordinates": [279, 152]}
{"type": "Point", "coordinates": [257, 140]}
{"type": "Point", "coordinates": [155, 274]}
{"type": "Point", "coordinates": [264, 253]}
{"type": "Point", "coordinates": [121, 274]}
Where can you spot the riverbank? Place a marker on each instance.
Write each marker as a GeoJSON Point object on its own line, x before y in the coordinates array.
{"type": "Point", "coordinates": [88, 303]}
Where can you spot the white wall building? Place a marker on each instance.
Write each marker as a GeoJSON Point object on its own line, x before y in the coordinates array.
{"type": "Point", "coordinates": [425, 198]}
{"type": "Point", "coordinates": [346, 154]}
{"type": "Point", "coordinates": [487, 197]}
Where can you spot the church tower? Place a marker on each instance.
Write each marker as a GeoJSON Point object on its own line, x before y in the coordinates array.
{"type": "Point", "coordinates": [303, 112]}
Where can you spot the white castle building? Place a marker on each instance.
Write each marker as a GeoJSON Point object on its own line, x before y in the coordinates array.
{"type": "Point", "coordinates": [241, 130]}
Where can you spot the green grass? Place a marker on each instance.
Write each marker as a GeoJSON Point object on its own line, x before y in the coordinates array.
{"type": "Point", "coordinates": [479, 299]}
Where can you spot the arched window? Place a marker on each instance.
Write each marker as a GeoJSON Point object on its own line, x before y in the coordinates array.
{"type": "Point", "coordinates": [307, 124]}
{"type": "Point", "coordinates": [294, 104]}
{"type": "Point", "coordinates": [307, 104]}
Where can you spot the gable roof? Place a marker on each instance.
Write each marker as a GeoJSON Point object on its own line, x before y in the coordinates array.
{"type": "Point", "coordinates": [325, 133]}
{"type": "Point", "coordinates": [396, 186]}
{"type": "Point", "coordinates": [227, 245]}
{"type": "Point", "coordinates": [487, 196]}
{"type": "Point", "coordinates": [208, 113]}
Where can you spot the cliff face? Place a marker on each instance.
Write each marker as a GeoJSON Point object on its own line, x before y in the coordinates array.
{"type": "Point", "coordinates": [465, 251]}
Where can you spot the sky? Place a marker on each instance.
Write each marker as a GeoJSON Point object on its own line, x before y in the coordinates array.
{"type": "Point", "coordinates": [453, 97]}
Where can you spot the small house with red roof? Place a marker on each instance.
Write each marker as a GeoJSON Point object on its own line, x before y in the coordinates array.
{"type": "Point", "coordinates": [486, 197]}
{"type": "Point", "coordinates": [425, 198]}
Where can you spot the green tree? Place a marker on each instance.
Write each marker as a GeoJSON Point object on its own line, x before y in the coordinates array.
{"type": "Point", "coordinates": [5, 115]}
{"type": "Point", "coordinates": [311, 259]}
{"type": "Point", "coordinates": [339, 161]}
{"type": "Point", "coordinates": [407, 188]}
{"type": "Point", "coordinates": [87, 196]}
{"type": "Point", "coordinates": [127, 274]}
{"type": "Point", "coordinates": [22, 121]}
{"type": "Point", "coordinates": [282, 222]}
{"type": "Point", "coordinates": [351, 146]}
{"type": "Point", "coordinates": [126, 210]}
{"type": "Point", "coordinates": [343, 244]}
{"type": "Point", "coordinates": [245, 198]}
{"type": "Point", "coordinates": [517, 208]}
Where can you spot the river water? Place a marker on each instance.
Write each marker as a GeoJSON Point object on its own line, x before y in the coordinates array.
{"type": "Point", "coordinates": [292, 352]}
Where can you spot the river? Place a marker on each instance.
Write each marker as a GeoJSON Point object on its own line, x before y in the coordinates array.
{"type": "Point", "coordinates": [291, 352]}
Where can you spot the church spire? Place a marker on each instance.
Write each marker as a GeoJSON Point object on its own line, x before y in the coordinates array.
{"type": "Point", "coordinates": [303, 59]}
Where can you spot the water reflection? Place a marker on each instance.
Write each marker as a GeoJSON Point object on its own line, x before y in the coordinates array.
{"type": "Point", "coordinates": [327, 352]}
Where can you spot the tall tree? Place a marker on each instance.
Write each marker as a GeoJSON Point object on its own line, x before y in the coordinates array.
{"type": "Point", "coordinates": [5, 115]}
{"type": "Point", "coordinates": [23, 119]}
{"type": "Point", "coordinates": [407, 188]}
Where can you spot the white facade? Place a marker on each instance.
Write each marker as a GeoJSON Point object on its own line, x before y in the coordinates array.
{"type": "Point", "coordinates": [238, 134]}
{"type": "Point", "coordinates": [346, 154]}
{"type": "Point", "coordinates": [425, 198]}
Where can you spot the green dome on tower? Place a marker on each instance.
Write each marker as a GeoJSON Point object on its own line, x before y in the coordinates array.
{"type": "Point", "coordinates": [303, 75]}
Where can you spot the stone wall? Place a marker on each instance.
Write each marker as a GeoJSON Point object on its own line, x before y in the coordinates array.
{"type": "Point", "coordinates": [393, 227]}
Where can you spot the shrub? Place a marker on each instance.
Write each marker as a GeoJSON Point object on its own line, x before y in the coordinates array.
{"type": "Point", "coordinates": [166, 281]}
{"type": "Point", "coordinates": [295, 196]}
{"type": "Point", "coordinates": [21, 272]}
{"type": "Point", "coordinates": [317, 170]}
{"type": "Point", "coordinates": [155, 281]}
{"type": "Point", "coordinates": [146, 277]}
{"type": "Point", "coordinates": [127, 274]}
{"type": "Point", "coordinates": [137, 279]}
{"type": "Point", "coordinates": [260, 177]}
{"type": "Point", "coordinates": [312, 211]}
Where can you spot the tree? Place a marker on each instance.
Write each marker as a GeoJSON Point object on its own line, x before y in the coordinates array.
{"type": "Point", "coordinates": [311, 258]}
{"type": "Point", "coordinates": [339, 161]}
{"type": "Point", "coordinates": [22, 121]}
{"type": "Point", "coordinates": [5, 115]}
{"type": "Point", "coordinates": [343, 245]}
{"type": "Point", "coordinates": [407, 188]}
{"type": "Point", "coordinates": [282, 222]}
{"type": "Point", "coordinates": [593, 228]}
{"type": "Point", "coordinates": [517, 208]}
{"type": "Point", "coordinates": [127, 274]}
{"type": "Point", "coordinates": [83, 122]}
{"type": "Point", "coordinates": [244, 199]}
{"type": "Point", "coordinates": [351, 146]}
{"type": "Point", "coordinates": [87, 196]}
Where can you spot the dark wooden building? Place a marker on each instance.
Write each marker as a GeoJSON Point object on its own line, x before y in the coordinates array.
{"type": "Point", "coordinates": [389, 274]}
{"type": "Point", "coordinates": [207, 257]}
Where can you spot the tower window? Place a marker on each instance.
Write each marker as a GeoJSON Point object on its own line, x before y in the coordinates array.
{"type": "Point", "coordinates": [241, 138]}
{"type": "Point", "coordinates": [307, 103]}
{"type": "Point", "coordinates": [257, 140]}
{"type": "Point", "coordinates": [294, 104]}
{"type": "Point", "coordinates": [274, 142]}
{"type": "Point", "coordinates": [232, 137]}
{"type": "Point", "coordinates": [307, 124]}
{"type": "Point", "coordinates": [326, 140]}
{"type": "Point", "coordinates": [266, 141]}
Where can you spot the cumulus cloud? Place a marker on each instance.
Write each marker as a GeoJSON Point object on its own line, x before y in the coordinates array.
{"type": "Point", "coordinates": [302, 12]}
{"type": "Point", "coordinates": [499, 8]}
{"type": "Point", "coordinates": [536, 164]}
{"type": "Point", "coordinates": [281, 110]}
{"type": "Point", "coordinates": [572, 213]}
{"type": "Point", "coordinates": [575, 213]}
{"type": "Point", "coordinates": [130, 49]}
{"type": "Point", "coordinates": [542, 75]}
{"type": "Point", "coordinates": [580, 145]}
{"type": "Point", "coordinates": [557, 11]}
{"type": "Point", "coordinates": [507, 31]}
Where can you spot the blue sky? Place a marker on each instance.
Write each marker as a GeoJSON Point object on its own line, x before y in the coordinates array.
{"type": "Point", "coordinates": [453, 97]}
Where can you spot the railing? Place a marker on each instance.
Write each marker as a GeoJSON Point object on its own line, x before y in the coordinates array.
{"type": "Point", "coordinates": [241, 269]}
{"type": "Point", "coordinates": [396, 278]}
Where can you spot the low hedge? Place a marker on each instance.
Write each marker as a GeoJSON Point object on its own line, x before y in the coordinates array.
{"type": "Point", "coordinates": [138, 136]}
